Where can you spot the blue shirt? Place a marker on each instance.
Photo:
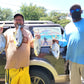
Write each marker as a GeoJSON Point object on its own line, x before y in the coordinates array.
{"type": "Point", "coordinates": [74, 39]}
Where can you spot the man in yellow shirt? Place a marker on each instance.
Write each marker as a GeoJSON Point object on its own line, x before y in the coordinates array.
{"type": "Point", "coordinates": [18, 59]}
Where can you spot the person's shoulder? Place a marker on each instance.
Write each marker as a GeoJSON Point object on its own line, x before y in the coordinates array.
{"type": "Point", "coordinates": [69, 24]}
{"type": "Point", "coordinates": [28, 34]}
{"type": "Point", "coordinates": [27, 31]}
{"type": "Point", "coordinates": [82, 19]}
{"type": "Point", "coordinates": [9, 30]}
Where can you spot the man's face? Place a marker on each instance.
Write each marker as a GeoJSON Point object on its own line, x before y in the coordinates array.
{"type": "Point", "coordinates": [18, 20]}
{"type": "Point", "coordinates": [75, 9]}
{"type": "Point", "coordinates": [75, 13]}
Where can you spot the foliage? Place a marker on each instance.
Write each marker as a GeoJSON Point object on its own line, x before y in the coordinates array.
{"type": "Point", "coordinates": [63, 22]}
{"type": "Point", "coordinates": [32, 12]}
{"type": "Point", "coordinates": [58, 18]}
{"type": "Point", "coordinates": [5, 14]}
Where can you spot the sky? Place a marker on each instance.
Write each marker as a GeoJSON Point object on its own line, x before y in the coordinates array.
{"type": "Point", "coordinates": [60, 5]}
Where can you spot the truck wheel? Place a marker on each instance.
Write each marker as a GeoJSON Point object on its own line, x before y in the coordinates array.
{"type": "Point", "coordinates": [39, 77]}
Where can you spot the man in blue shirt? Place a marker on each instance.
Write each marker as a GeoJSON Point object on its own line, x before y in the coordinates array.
{"type": "Point", "coordinates": [74, 39]}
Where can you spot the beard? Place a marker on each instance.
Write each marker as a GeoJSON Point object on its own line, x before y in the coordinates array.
{"type": "Point", "coordinates": [17, 25]}
{"type": "Point", "coordinates": [76, 15]}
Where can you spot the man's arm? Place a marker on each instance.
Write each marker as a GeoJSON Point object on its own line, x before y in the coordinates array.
{"type": "Point", "coordinates": [32, 42]}
{"type": "Point", "coordinates": [62, 42]}
{"type": "Point", "coordinates": [3, 40]}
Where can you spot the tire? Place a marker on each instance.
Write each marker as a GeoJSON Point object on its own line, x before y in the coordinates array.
{"type": "Point", "coordinates": [39, 77]}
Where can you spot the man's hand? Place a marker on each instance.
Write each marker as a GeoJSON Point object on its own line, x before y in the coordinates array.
{"type": "Point", "coordinates": [1, 30]}
{"type": "Point", "coordinates": [67, 62]}
{"type": "Point", "coordinates": [38, 36]}
{"type": "Point", "coordinates": [54, 40]}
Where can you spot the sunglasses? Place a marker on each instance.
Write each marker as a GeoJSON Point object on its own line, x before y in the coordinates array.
{"type": "Point", "coordinates": [18, 19]}
{"type": "Point", "coordinates": [75, 10]}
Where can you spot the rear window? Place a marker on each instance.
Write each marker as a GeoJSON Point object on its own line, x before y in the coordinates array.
{"type": "Point", "coordinates": [47, 34]}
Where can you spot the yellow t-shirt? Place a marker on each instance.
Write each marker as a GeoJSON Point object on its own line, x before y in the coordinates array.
{"type": "Point", "coordinates": [18, 57]}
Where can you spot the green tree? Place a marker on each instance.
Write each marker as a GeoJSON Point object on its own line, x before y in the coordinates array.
{"type": "Point", "coordinates": [32, 12]}
{"type": "Point", "coordinates": [63, 22]}
{"type": "Point", "coordinates": [5, 14]}
{"type": "Point", "coordinates": [58, 18]}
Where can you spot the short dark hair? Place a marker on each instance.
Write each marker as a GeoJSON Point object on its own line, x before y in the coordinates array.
{"type": "Point", "coordinates": [18, 14]}
{"type": "Point", "coordinates": [75, 5]}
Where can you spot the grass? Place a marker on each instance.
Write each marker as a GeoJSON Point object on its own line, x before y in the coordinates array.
{"type": "Point", "coordinates": [58, 64]}
{"type": "Point", "coordinates": [2, 65]}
